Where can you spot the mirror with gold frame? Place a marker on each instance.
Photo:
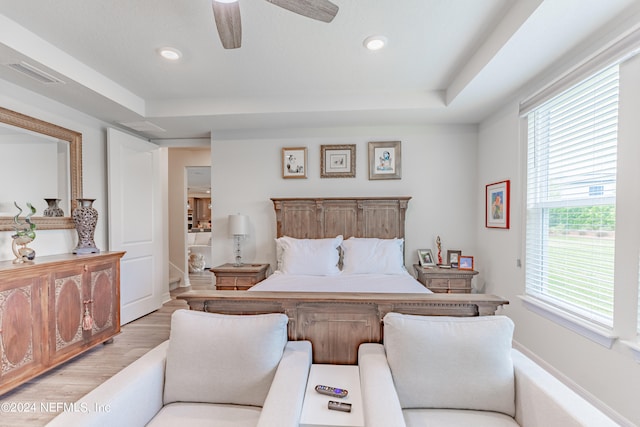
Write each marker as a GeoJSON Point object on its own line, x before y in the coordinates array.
{"type": "Point", "coordinates": [28, 164]}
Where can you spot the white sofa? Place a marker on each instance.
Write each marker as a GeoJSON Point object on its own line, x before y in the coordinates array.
{"type": "Point", "coordinates": [215, 370]}
{"type": "Point", "coordinates": [445, 371]}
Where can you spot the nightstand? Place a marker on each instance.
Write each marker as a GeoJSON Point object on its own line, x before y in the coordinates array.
{"type": "Point", "coordinates": [445, 280]}
{"type": "Point", "coordinates": [241, 278]}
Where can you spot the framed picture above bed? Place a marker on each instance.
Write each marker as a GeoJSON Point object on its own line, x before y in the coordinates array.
{"type": "Point", "coordinates": [425, 258]}
{"type": "Point", "coordinates": [294, 162]}
{"type": "Point", "coordinates": [338, 161]}
{"type": "Point", "coordinates": [385, 160]}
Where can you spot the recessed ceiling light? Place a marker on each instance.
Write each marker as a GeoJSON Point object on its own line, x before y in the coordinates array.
{"type": "Point", "coordinates": [375, 42]}
{"type": "Point", "coordinates": [226, 1]}
{"type": "Point", "coordinates": [170, 53]}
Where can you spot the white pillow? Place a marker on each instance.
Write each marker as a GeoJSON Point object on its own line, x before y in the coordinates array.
{"type": "Point", "coordinates": [372, 256]}
{"type": "Point", "coordinates": [451, 362]}
{"type": "Point", "coordinates": [313, 257]}
{"type": "Point", "coordinates": [217, 358]}
{"type": "Point", "coordinates": [280, 251]}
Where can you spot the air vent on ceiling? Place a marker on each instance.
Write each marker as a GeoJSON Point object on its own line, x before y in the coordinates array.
{"type": "Point", "coordinates": [143, 126]}
{"type": "Point", "coordinates": [35, 73]}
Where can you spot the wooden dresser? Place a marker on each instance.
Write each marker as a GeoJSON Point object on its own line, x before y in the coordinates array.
{"type": "Point", "coordinates": [232, 278]}
{"type": "Point", "coordinates": [445, 280]}
{"type": "Point", "coordinates": [54, 309]}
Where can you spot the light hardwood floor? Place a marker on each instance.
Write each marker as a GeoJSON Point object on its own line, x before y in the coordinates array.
{"type": "Point", "coordinates": [36, 402]}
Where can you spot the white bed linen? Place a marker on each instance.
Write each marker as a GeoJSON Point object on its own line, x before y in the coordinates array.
{"type": "Point", "coordinates": [379, 283]}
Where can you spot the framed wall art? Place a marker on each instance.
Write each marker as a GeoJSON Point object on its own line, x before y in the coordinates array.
{"type": "Point", "coordinates": [385, 160]}
{"type": "Point", "coordinates": [294, 162]}
{"type": "Point", "coordinates": [338, 161]}
{"type": "Point", "coordinates": [497, 204]}
{"type": "Point", "coordinates": [425, 258]}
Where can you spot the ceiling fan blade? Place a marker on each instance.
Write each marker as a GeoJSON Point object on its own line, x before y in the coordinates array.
{"type": "Point", "coordinates": [227, 16]}
{"type": "Point", "coordinates": [321, 10]}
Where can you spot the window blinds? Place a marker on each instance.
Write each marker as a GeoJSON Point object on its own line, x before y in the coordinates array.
{"type": "Point", "coordinates": [571, 190]}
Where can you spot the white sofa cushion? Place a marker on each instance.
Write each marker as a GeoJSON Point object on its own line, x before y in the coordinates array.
{"type": "Point", "coordinates": [451, 362]}
{"type": "Point", "coordinates": [456, 418]}
{"type": "Point", "coordinates": [206, 415]}
{"type": "Point", "coordinates": [216, 358]}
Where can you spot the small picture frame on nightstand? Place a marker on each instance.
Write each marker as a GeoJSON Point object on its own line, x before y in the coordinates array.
{"type": "Point", "coordinates": [453, 257]}
{"type": "Point", "coordinates": [466, 263]}
{"type": "Point", "coordinates": [425, 258]}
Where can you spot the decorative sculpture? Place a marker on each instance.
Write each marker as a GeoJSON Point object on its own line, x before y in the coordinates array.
{"type": "Point", "coordinates": [25, 233]}
{"type": "Point", "coordinates": [196, 263]}
{"type": "Point", "coordinates": [439, 245]}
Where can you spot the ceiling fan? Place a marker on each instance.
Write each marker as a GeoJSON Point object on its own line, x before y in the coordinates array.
{"type": "Point", "coordinates": [227, 16]}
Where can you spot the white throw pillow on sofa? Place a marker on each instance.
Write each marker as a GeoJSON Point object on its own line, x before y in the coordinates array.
{"type": "Point", "coordinates": [217, 358]}
{"type": "Point", "coordinates": [451, 362]}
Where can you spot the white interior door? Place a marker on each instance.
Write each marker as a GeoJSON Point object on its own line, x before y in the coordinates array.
{"type": "Point", "coordinates": [136, 222]}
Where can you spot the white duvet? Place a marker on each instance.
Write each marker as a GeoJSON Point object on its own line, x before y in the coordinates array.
{"type": "Point", "coordinates": [380, 283]}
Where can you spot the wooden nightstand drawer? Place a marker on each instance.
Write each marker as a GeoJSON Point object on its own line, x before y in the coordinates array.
{"type": "Point", "coordinates": [239, 278]}
{"type": "Point", "coordinates": [225, 281]}
{"type": "Point", "coordinates": [439, 283]}
{"type": "Point", "coordinates": [244, 283]}
{"type": "Point", "coordinates": [459, 284]}
{"type": "Point", "coordinates": [445, 280]}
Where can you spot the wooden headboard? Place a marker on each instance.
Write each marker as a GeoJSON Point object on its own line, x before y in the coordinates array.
{"type": "Point", "coordinates": [316, 218]}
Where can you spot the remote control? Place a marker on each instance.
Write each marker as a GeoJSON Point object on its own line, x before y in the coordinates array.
{"type": "Point", "coordinates": [339, 406]}
{"type": "Point", "coordinates": [331, 391]}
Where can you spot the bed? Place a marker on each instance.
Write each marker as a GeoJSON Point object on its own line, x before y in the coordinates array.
{"type": "Point", "coordinates": [375, 283]}
{"type": "Point", "coordinates": [337, 311]}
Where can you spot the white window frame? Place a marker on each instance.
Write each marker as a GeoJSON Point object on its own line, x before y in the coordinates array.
{"type": "Point", "coordinates": [601, 334]}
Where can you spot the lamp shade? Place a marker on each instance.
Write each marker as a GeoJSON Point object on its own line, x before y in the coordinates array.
{"type": "Point", "coordinates": [238, 225]}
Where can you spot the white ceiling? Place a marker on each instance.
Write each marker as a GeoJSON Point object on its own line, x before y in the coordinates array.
{"type": "Point", "coordinates": [451, 61]}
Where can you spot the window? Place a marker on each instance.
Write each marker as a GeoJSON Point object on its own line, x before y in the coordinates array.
{"type": "Point", "coordinates": [596, 190]}
{"type": "Point", "coordinates": [571, 198]}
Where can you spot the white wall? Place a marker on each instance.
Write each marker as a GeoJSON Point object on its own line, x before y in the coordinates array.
{"type": "Point", "coordinates": [438, 172]}
{"type": "Point", "coordinates": [179, 159]}
{"type": "Point", "coordinates": [49, 242]}
{"type": "Point", "coordinates": [610, 375]}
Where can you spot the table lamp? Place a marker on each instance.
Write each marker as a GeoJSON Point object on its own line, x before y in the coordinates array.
{"type": "Point", "coordinates": [239, 228]}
